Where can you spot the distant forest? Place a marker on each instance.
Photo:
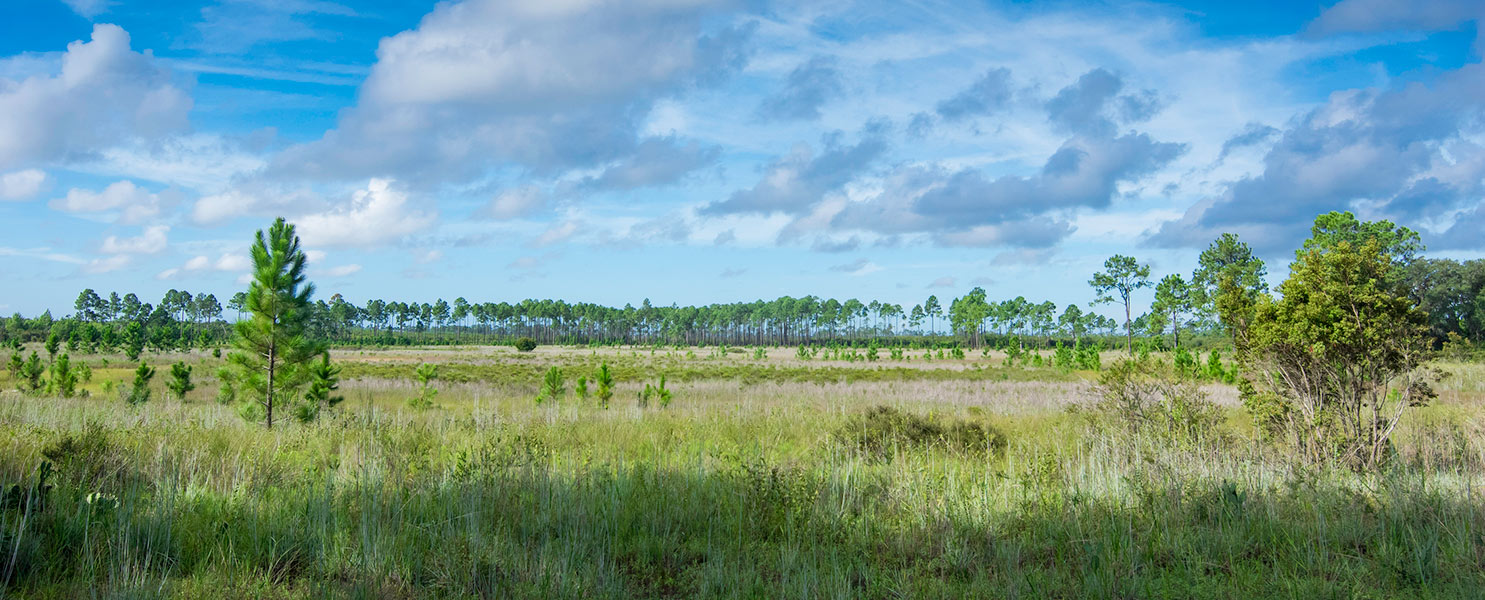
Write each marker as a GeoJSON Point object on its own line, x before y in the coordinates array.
{"type": "Point", "coordinates": [1452, 292]}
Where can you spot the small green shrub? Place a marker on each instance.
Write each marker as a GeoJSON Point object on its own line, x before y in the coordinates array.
{"type": "Point", "coordinates": [427, 373]}
{"type": "Point", "coordinates": [525, 344]}
{"type": "Point", "coordinates": [883, 431]}
{"type": "Point", "coordinates": [139, 392]}
{"type": "Point", "coordinates": [1147, 397]}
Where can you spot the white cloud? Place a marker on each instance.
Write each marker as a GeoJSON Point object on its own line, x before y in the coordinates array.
{"type": "Point", "coordinates": [22, 185]}
{"type": "Point", "coordinates": [226, 263]}
{"type": "Point", "coordinates": [560, 232]}
{"type": "Point", "coordinates": [104, 95]}
{"type": "Point", "coordinates": [133, 203]}
{"type": "Point", "coordinates": [515, 203]}
{"type": "Point", "coordinates": [88, 8]}
{"type": "Point", "coordinates": [41, 253]}
{"type": "Point", "coordinates": [343, 270]}
{"type": "Point", "coordinates": [152, 241]}
{"type": "Point", "coordinates": [546, 85]}
{"type": "Point", "coordinates": [376, 215]}
{"type": "Point", "coordinates": [106, 264]}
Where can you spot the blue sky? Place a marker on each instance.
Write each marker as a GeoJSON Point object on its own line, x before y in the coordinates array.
{"type": "Point", "coordinates": [691, 151]}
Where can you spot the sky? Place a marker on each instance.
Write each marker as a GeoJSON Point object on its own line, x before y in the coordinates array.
{"type": "Point", "coordinates": [692, 151]}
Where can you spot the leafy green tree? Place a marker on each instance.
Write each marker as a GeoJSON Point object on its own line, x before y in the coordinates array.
{"type": "Point", "coordinates": [933, 310]}
{"type": "Point", "coordinates": [324, 379]}
{"type": "Point", "coordinates": [139, 392]}
{"type": "Point", "coordinates": [1174, 302]}
{"type": "Point", "coordinates": [605, 381]}
{"type": "Point", "coordinates": [63, 377]}
{"type": "Point", "coordinates": [1228, 283]}
{"type": "Point", "coordinates": [581, 388]}
{"type": "Point", "coordinates": [1330, 229]}
{"type": "Point", "coordinates": [271, 350]}
{"type": "Point", "coordinates": [1121, 276]}
{"type": "Point", "coordinates": [180, 381]}
{"type": "Point", "coordinates": [1339, 359]}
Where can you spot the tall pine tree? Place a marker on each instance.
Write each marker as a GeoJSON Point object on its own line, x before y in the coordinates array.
{"type": "Point", "coordinates": [272, 355]}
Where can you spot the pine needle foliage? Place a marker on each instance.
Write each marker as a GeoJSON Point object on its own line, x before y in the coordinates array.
{"type": "Point", "coordinates": [271, 353]}
{"type": "Point", "coordinates": [324, 378]}
{"type": "Point", "coordinates": [180, 381]}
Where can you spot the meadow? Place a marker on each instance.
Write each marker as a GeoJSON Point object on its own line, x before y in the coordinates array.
{"type": "Point", "coordinates": [767, 476]}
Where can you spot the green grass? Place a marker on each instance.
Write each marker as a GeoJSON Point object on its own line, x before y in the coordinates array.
{"type": "Point", "coordinates": [734, 492]}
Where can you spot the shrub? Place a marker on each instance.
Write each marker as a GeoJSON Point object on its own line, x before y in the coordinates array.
{"type": "Point", "coordinates": [427, 373]}
{"type": "Point", "coordinates": [180, 381]}
{"type": "Point", "coordinates": [525, 344]}
{"type": "Point", "coordinates": [139, 392]}
{"type": "Point", "coordinates": [883, 431]}
{"type": "Point", "coordinates": [605, 381]}
{"type": "Point", "coordinates": [1146, 397]}
{"type": "Point", "coordinates": [64, 378]}
{"type": "Point", "coordinates": [553, 386]}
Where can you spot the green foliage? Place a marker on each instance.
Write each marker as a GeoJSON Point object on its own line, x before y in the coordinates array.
{"type": "Point", "coordinates": [1121, 276]}
{"type": "Point", "coordinates": [14, 366]}
{"type": "Point", "coordinates": [133, 342]}
{"type": "Point", "coordinates": [553, 386]}
{"type": "Point", "coordinates": [30, 374]}
{"type": "Point", "coordinates": [53, 344]}
{"type": "Point", "coordinates": [139, 392]}
{"type": "Point", "coordinates": [658, 392]}
{"type": "Point", "coordinates": [759, 353]}
{"type": "Point", "coordinates": [1145, 397]}
{"type": "Point", "coordinates": [271, 349]}
{"type": "Point", "coordinates": [180, 381]}
{"type": "Point", "coordinates": [1228, 283]}
{"type": "Point", "coordinates": [1342, 353]}
{"type": "Point", "coordinates": [525, 344]}
{"type": "Point", "coordinates": [581, 388]}
{"type": "Point", "coordinates": [64, 378]}
{"type": "Point", "coordinates": [324, 379]}
{"type": "Point", "coordinates": [884, 432]}
{"type": "Point", "coordinates": [605, 380]}
{"type": "Point", "coordinates": [427, 373]}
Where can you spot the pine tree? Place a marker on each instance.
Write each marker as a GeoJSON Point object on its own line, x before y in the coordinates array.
{"type": "Point", "coordinates": [271, 351]}
{"type": "Point", "coordinates": [180, 381]}
{"type": "Point", "coordinates": [324, 378]}
{"type": "Point", "coordinates": [139, 392]}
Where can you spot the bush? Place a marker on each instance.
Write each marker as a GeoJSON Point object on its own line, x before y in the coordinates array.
{"type": "Point", "coordinates": [1147, 397]}
{"type": "Point", "coordinates": [525, 344]}
{"type": "Point", "coordinates": [884, 431]}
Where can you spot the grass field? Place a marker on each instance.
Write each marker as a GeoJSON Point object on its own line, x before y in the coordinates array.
{"type": "Point", "coordinates": [764, 479]}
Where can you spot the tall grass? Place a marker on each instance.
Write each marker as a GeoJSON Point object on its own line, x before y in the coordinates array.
{"type": "Point", "coordinates": [736, 491]}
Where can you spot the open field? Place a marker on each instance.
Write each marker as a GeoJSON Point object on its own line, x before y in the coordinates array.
{"type": "Point", "coordinates": [760, 480]}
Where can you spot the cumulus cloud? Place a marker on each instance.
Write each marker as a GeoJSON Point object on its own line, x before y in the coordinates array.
{"type": "Point", "coordinates": [967, 208]}
{"type": "Point", "coordinates": [1252, 134]}
{"type": "Point", "coordinates": [987, 95]}
{"type": "Point", "coordinates": [152, 241]}
{"type": "Point", "coordinates": [130, 203]}
{"type": "Point", "coordinates": [794, 183]}
{"type": "Point", "coordinates": [1092, 105]}
{"type": "Point", "coordinates": [22, 185]}
{"type": "Point", "coordinates": [376, 215]}
{"type": "Point", "coordinates": [1361, 16]}
{"type": "Point", "coordinates": [829, 245]}
{"type": "Point", "coordinates": [808, 87]}
{"type": "Point", "coordinates": [1405, 153]}
{"type": "Point", "coordinates": [655, 161]}
{"type": "Point", "coordinates": [548, 86]}
{"type": "Point", "coordinates": [105, 94]}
